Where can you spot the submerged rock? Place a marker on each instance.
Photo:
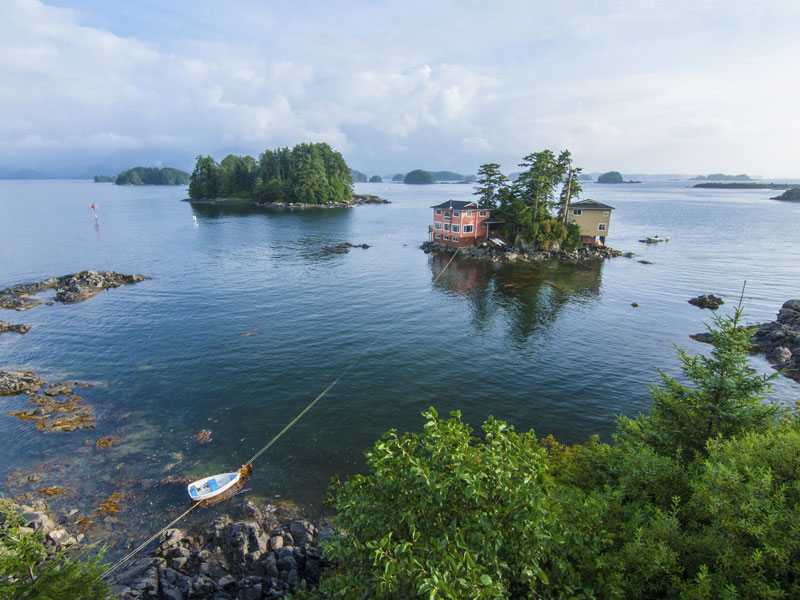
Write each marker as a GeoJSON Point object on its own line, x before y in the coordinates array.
{"type": "Point", "coordinates": [52, 414]}
{"type": "Point", "coordinates": [69, 288]}
{"type": "Point", "coordinates": [12, 328]}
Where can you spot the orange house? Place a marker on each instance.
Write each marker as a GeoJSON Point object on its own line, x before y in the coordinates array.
{"type": "Point", "coordinates": [459, 223]}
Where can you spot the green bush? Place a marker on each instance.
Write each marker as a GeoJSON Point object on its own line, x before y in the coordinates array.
{"type": "Point", "coordinates": [28, 573]}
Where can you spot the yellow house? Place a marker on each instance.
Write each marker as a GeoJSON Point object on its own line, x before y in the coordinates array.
{"type": "Point", "coordinates": [593, 218]}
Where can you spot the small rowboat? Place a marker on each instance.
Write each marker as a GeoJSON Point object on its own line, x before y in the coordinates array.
{"type": "Point", "coordinates": [202, 489]}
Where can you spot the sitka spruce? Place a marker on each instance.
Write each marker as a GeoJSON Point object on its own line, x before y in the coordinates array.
{"type": "Point", "coordinates": [306, 174]}
{"type": "Point", "coordinates": [699, 498]}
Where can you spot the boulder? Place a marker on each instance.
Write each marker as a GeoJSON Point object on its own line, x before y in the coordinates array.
{"type": "Point", "coordinates": [19, 382]}
{"type": "Point", "coordinates": [11, 328]}
{"type": "Point", "coordinates": [707, 301]}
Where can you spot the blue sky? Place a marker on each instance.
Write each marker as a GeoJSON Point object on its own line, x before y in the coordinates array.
{"type": "Point", "coordinates": [639, 87]}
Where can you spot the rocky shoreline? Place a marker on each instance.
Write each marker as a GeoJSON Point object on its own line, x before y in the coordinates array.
{"type": "Point", "coordinates": [500, 255]}
{"type": "Point", "coordinates": [263, 555]}
{"type": "Point", "coordinates": [358, 200]}
{"type": "Point", "coordinates": [14, 328]}
{"type": "Point", "coordinates": [69, 288]}
{"type": "Point", "coordinates": [779, 339]}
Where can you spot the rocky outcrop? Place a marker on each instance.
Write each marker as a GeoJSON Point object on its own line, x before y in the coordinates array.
{"type": "Point", "coordinates": [12, 328]}
{"type": "Point", "coordinates": [500, 255]}
{"type": "Point", "coordinates": [707, 301]}
{"type": "Point", "coordinates": [779, 339]}
{"type": "Point", "coordinates": [69, 288]}
{"type": "Point", "coordinates": [343, 248]}
{"type": "Point", "coordinates": [36, 516]}
{"type": "Point", "coordinates": [19, 382]}
{"type": "Point", "coordinates": [259, 557]}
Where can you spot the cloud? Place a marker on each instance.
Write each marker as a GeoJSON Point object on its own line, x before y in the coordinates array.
{"type": "Point", "coordinates": [642, 87]}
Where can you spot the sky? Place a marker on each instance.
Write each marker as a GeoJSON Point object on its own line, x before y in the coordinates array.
{"type": "Point", "coordinates": [643, 86]}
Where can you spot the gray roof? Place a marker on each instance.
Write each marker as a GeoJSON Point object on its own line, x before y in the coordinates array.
{"type": "Point", "coordinates": [456, 205]}
{"type": "Point", "coordinates": [590, 205]}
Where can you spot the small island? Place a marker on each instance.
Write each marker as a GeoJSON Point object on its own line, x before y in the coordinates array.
{"type": "Point", "coordinates": [790, 195]}
{"type": "Point", "coordinates": [151, 176]}
{"type": "Point", "coordinates": [308, 175]}
{"type": "Point", "coordinates": [721, 177]}
{"type": "Point", "coordinates": [613, 177]}
{"type": "Point", "coordinates": [104, 179]}
{"type": "Point", "coordinates": [419, 177]}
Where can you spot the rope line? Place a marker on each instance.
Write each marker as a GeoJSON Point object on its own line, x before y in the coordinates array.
{"type": "Point", "coordinates": [300, 415]}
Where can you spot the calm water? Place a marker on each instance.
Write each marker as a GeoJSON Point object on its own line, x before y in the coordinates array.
{"type": "Point", "coordinates": [554, 347]}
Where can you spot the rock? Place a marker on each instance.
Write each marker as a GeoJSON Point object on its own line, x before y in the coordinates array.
{"type": "Point", "coordinates": [11, 328]}
{"type": "Point", "coordinates": [704, 337]}
{"type": "Point", "coordinates": [276, 542]}
{"type": "Point", "coordinates": [634, 304]}
{"type": "Point", "coordinates": [19, 382]}
{"type": "Point", "coordinates": [644, 262]}
{"type": "Point", "coordinates": [302, 532]}
{"type": "Point", "coordinates": [203, 436]}
{"type": "Point", "coordinates": [69, 288]}
{"type": "Point", "coordinates": [629, 255]}
{"type": "Point", "coordinates": [780, 354]}
{"type": "Point", "coordinates": [707, 301]}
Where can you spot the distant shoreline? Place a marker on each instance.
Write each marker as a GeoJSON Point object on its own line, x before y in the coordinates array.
{"type": "Point", "coordinates": [747, 186]}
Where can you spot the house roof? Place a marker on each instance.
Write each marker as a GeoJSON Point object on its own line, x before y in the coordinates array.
{"type": "Point", "coordinates": [590, 205]}
{"type": "Point", "coordinates": [456, 205]}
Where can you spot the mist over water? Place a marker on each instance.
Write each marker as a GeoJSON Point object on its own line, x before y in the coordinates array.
{"type": "Point", "coordinates": [556, 347]}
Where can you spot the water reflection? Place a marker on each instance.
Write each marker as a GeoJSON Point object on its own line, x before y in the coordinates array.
{"type": "Point", "coordinates": [235, 208]}
{"type": "Point", "coordinates": [529, 295]}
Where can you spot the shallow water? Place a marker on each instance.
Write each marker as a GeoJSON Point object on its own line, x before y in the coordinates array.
{"type": "Point", "coordinates": [556, 347]}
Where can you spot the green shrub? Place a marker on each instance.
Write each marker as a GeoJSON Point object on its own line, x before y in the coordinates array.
{"type": "Point", "coordinates": [28, 573]}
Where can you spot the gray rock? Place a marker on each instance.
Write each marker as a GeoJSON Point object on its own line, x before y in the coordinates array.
{"type": "Point", "coordinates": [271, 567]}
{"type": "Point", "coordinates": [19, 382]}
{"type": "Point", "coordinates": [171, 592]}
{"type": "Point", "coordinates": [12, 328]}
{"type": "Point", "coordinates": [302, 532]}
{"type": "Point", "coordinates": [276, 542]}
{"type": "Point", "coordinates": [707, 301]}
{"type": "Point", "coordinates": [780, 354]}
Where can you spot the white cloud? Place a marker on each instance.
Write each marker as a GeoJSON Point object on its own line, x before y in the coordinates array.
{"type": "Point", "coordinates": [650, 86]}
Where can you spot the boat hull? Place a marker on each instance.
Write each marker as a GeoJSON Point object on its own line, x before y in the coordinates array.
{"type": "Point", "coordinates": [212, 486]}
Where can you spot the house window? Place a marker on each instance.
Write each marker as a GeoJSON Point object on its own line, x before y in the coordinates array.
{"type": "Point", "coordinates": [577, 212]}
{"type": "Point", "coordinates": [437, 225]}
{"type": "Point", "coordinates": [605, 213]}
{"type": "Point", "coordinates": [438, 236]}
{"type": "Point", "coordinates": [601, 227]}
{"type": "Point", "coordinates": [456, 227]}
{"type": "Point", "coordinates": [447, 226]}
{"type": "Point", "coordinates": [454, 239]}
{"type": "Point", "coordinates": [447, 237]}
{"type": "Point", "coordinates": [467, 228]}
{"type": "Point", "coordinates": [447, 215]}
{"type": "Point", "coordinates": [482, 213]}
{"type": "Point", "coordinates": [456, 213]}
{"type": "Point", "coordinates": [438, 211]}
{"type": "Point", "coordinates": [469, 213]}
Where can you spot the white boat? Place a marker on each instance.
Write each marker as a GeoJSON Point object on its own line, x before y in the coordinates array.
{"type": "Point", "coordinates": [206, 488]}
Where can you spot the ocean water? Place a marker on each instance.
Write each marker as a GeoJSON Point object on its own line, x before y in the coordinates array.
{"type": "Point", "coordinates": [556, 347]}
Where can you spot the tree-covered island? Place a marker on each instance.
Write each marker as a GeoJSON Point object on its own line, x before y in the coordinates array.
{"type": "Point", "coordinates": [152, 176]}
{"type": "Point", "coordinates": [307, 174]}
{"type": "Point", "coordinates": [534, 208]}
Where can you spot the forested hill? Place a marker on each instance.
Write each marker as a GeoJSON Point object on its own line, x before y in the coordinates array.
{"type": "Point", "coordinates": [152, 176]}
{"type": "Point", "coordinates": [306, 174]}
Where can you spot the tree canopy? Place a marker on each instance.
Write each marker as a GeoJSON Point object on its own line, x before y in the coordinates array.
{"type": "Point", "coordinates": [152, 176]}
{"type": "Point", "coordinates": [699, 498]}
{"type": "Point", "coordinates": [308, 173]}
{"type": "Point", "coordinates": [376, 179]}
{"type": "Point", "coordinates": [610, 177]}
{"type": "Point", "coordinates": [534, 206]}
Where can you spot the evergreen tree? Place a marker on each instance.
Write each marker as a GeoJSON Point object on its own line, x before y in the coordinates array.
{"type": "Point", "coordinates": [490, 182]}
{"type": "Point", "coordinates": [203, 180]}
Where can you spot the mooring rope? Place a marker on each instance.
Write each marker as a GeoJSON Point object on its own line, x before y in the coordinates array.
{"type": "Point", "coordinates": [300, 415]}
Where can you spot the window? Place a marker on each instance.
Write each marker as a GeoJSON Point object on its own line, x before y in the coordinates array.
{"type": "Point", "coordinates": [447, 226]}
{"type": "Point", "coordinates": [456, 213]}
{"type": "Point", "coordinates": [601, 227]}
{"type": "Point", "coordinates": [438, 236]}
{"type": "Point", "coordinates": [456, 227]}
{"type": "Point", "coordinates": [469, 213]}
{"type": "Point", "coordinates": [447, 237]}
{"type": "Point", "coordinates": [454, 239]}
{"type": "Point", "coordinates": [577, 212]}
{"type": "Point", "coordinates": [467, 228]}
{"type": "Point", "coordinates": [447, 215]}
{"type": "Point", "coordinates": [438, 211]}
{"type": "Point", "coordinates": [437, 225]}
{"type": "Point", "coordinates": [605, 213]}
{"type": "Point", "coordinates": [482, 213]}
